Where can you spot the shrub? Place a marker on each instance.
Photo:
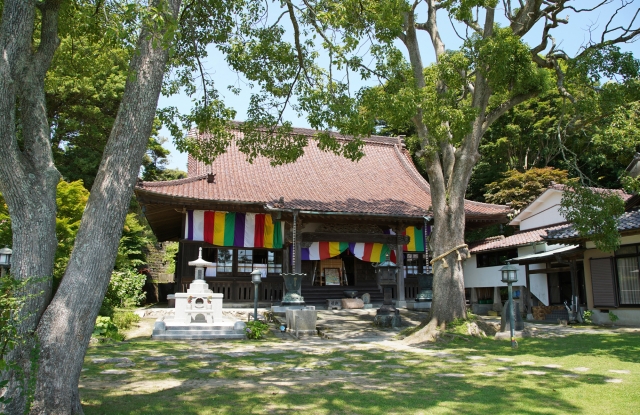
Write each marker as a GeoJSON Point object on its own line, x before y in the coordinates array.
{"type": "Point", "coordinates": [125, 289]}
{"type": "Point", "coordinates": [587, 316]}
{"type": "Point", "coordinates": [256, 329]}
{"type": "Point", "coordinates": [124, 319]}
{"type": "Point", "coordinates": [106, 329]}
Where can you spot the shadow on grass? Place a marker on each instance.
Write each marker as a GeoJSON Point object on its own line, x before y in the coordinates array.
{"type": "Point", "coordinates": [364, 382]}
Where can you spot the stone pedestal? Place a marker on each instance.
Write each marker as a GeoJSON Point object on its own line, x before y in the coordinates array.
{"type": "Point", "coordinates": [388, 320]}
{"type": "Point", "coordinates": [419, 306]}
{"type": "Point", "coordinates": [302, 322]}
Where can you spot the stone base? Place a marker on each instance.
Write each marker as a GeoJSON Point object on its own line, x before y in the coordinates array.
{"type": "Point", "coordinates": [387, 320]}
{"type": "Point", "coordinates": [282, 309]}
{"type": "Point", "coordinates": [419, 306]}
{"type": "Point", "coordinates": [172, 329]}
{"type": "Point", "coordinates": [352, 303]}
{"type": "Point", "coordinates": [368, 306]}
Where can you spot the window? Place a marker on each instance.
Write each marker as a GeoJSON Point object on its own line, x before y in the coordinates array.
{"type": "Point", "coordinates": [628, 274]}
{"type": "Point", "coordinates": [414, 263]}
{"type": "Point", "coordinates": [225, 260]}
{"type": "Point", "coordinates": [495, 258]}
{"type": "Point", "coordinates": [269, 261]}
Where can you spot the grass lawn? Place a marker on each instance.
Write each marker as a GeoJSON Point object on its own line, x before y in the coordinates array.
{"type": "Point", "coordinates": [578, 374]}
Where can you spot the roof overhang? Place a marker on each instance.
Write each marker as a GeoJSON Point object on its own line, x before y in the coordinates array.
{"type": "Point", "coordinates": [565, 252]}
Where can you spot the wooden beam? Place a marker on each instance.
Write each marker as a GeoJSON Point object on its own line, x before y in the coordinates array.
{"type": "Point", "coordinates": [354, 237]}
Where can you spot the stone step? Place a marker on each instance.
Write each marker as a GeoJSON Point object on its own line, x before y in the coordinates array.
{"type": "Point", "coordinates": [200, 335]}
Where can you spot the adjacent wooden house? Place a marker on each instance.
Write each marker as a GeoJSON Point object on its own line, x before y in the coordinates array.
{"type": "Point", "coordinates": [322, 215]}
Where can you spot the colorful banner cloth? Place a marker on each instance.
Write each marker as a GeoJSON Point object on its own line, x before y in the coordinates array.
{"type": "Point", "coordinates": [248, 230]}
{"type": "Point", "coordinates": [371, 252]}
{"type": "Point", "coordinates": [416, 242]}
{"type": "Point", "coordinates": [323, 250]}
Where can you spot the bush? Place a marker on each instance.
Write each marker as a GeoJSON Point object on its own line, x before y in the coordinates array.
{"type": "Point", "coordinates": [256, 329]}
{"type": "Point", "coordinates": [124, 319]}
{"type": "Point", "coordinates": [125, 289]}
{"type": "Point", "coordinates": [106, 329]}
{"type": "Point", "coordinates": [587, 316]}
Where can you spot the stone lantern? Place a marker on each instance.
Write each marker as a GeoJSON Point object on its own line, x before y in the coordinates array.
{"type": "Point", "coordinates": [386, 274]}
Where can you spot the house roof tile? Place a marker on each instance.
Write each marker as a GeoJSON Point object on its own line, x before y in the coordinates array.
{"type": "Point", "coordinates": [385, 181]}
{"type": "Point", "coordinates": [519, 239]}
{"type": "Point", "coordinates": [629, 221]}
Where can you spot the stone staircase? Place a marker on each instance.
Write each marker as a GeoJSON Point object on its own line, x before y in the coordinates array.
{"type": "Point", "coordinates": [319, 294]}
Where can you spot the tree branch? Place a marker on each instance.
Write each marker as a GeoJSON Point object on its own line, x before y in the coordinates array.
{"type": "Point", "coordinates": [49, 40]}
{"type": "Point", "coordinates": [503, 108]}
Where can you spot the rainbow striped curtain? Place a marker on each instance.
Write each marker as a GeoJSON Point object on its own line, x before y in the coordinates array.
{"type": "Point", "coordinates": [416, 244]}
{"type": "Point", "coordinates": [371, 252]}
{"type": "Point", "coordinates": [323, 250]}
{"type": "Point", "coordinates": [248, 230]}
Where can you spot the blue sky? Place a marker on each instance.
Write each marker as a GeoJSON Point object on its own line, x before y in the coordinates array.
{"type": "Point", "coordinates": [569, 37]}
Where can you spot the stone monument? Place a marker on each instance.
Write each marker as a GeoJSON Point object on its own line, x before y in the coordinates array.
{"type": "Point", "coordinates": [198, 312]}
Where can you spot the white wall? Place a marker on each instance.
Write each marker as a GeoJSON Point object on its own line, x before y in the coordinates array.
{"type": "Point", "coordinates": [543, 212]}
{"type": "Point", "coordinates": [475, 277]}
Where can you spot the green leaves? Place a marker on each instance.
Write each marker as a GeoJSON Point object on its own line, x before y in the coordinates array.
{"type": "Point", "coordinates": [594, 214]}
{"type": "Point", "coordinates": [519, 189]}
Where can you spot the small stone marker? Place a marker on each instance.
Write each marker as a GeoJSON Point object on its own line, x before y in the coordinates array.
{"type": "Point", "coordinates": [622, 372]}
{"type": "Point", "coordinates": [450, 375]}
{"type": "Point", "coordinates": [552, 366]}
{"type": "Point", "coordinates": [534, 372]}
{"type": "Point", "coordinates": [165, 371]}
{"type": "Point", "coordinates": [580, 369]}
{"type": "Point", "coordinates": [111, 360]}
{"type": "Point", "coordinates": [167, 363]}
{"type": "Point", "coordinates": [489, 374]}
{"type": "Point", "coordinates": [208, 370]}
{"type": "Point", "coordinates": [504, 359]}
{"type": "Point", "coordinates": [613, 380]}
{"type": "Point", "coordinates": [125, 364]}
{"type": "Point", "coordinates": [475, 357]}
{"type": "Point", "coordinates": [527, 363]}
{"type": "Point", "coordinates": [366, 298]}
{"type": "Point", "coordinates": [114, 372]}
{"type": "Point", "coordinates": [158, 358]}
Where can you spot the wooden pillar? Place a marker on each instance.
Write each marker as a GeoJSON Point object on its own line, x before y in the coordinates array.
{"type": "Point", "coordinates": [297, 249]}
{"type": "Point", "coordinates": [400, 300]}
{"type": "Point", "coordinates": [574, 286]}
{"type": "Point", "coordinates": [527, 294]}
{"type": "Point", "coordinates": [286, 260]}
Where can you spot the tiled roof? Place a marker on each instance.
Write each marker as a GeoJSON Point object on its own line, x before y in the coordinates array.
{"type": "Point", "coordinates": [385, 181]}
{"type": "Point", "coordinates": [629, 221]}
{"type": "Point", "coordinates": [620, 192]}
{"type": "Point", "coordinates": [519, 239]}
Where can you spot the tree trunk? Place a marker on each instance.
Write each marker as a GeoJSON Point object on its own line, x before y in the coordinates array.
{"type": "Point", "coordinates": [28, 182]}
{"type": "Point", "coordinates": [66, 326]}
{"type": "Point", "coordinates": [28, 177]}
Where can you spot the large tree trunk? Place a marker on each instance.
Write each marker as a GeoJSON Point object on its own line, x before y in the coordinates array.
{"type": "Point", "coordinates": [66, 326]}
{"type": "Point", "coordinates": [28, 177]}
{"type": "Point", "coordinates": [28, 181]}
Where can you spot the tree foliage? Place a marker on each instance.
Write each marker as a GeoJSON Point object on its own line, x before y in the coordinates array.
{"type": "Point", "coordinates": [518, 189]}
{"type": "Point", "coordinates": [594, 214]}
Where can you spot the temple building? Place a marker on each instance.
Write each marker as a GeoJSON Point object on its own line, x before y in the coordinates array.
{"type": "Point", "coordinates": [323, 215]}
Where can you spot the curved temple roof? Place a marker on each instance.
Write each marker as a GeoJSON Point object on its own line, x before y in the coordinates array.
{"type": "Point", "coordinates": [384, 182]}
